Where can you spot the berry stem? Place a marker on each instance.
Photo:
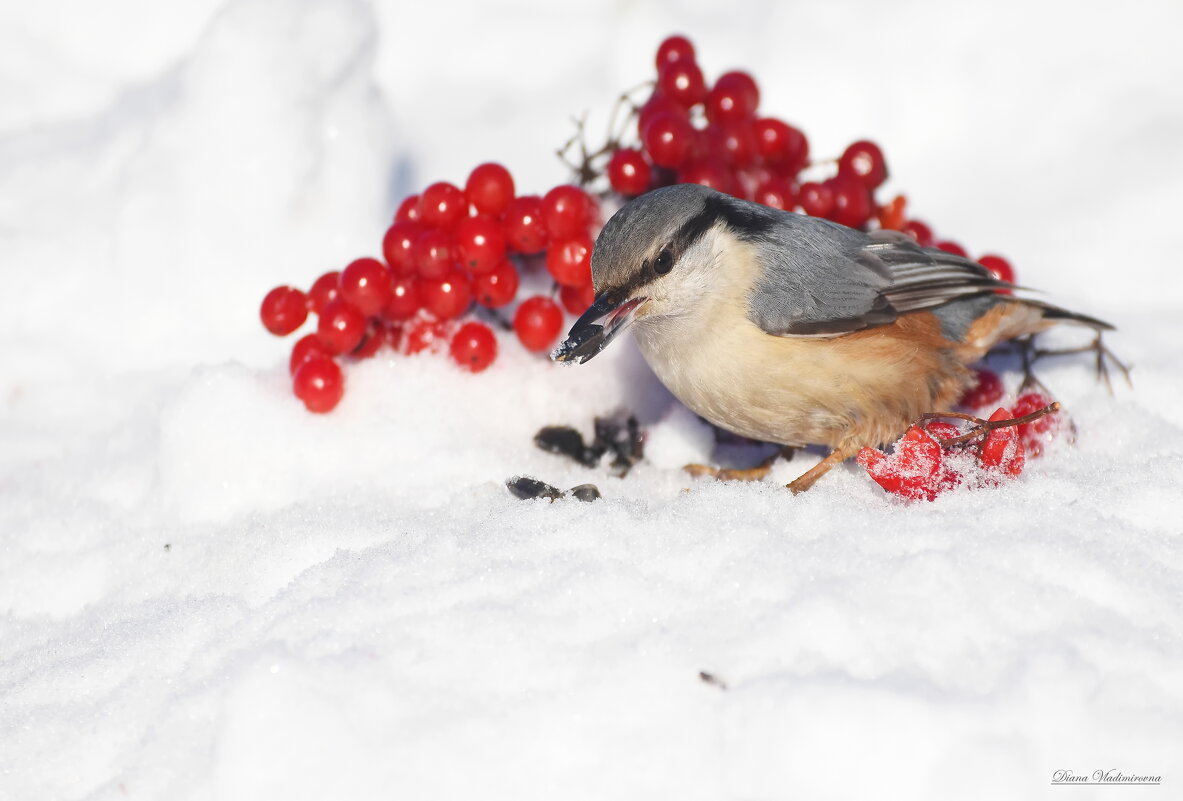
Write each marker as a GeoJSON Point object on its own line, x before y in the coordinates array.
{"type": "Point", "coordinates": [983, 427]}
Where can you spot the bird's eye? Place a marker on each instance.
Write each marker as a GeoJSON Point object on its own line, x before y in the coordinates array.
{"type": "Point", "coordinates": [664, 262]}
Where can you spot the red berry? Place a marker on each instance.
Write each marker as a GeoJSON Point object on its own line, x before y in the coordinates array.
{"type": "Point", "coordinates": [408, 210]}
{"type": "Point", "coordinates": [447, 297]}
{"type": "Point", "coordinates": [569, 261]}
{"type": "Point", "coordinates": [424, 333]}
{"type": "Point", "coordinates": [733, 141]}
{"type": "Point", "coordinates": [489, 188]}
{"type": "Point", "coordinates": [952, 247]}
{"type": "Point", "coordinates": [397, 244]}
{"type": "Point", "coordinates": [1002, 450]}
{"type": "Point", "coordinates": [319, 383]}
{"type": "Point", "coordinates": [667, 139]}
{"type": "Point", "coordinates": [987, 391]}
{"type": "Point", "coordinates": [1030, 433]}
{"type": "Point", "coordinates": [481, 243]}
{"type": "Point", "coordinates": [577, 299]}
{"type": "Point", "coordinates": [442, 205]}
{"type": "Point", "coordinates": [864, 162]}
{"type": "Point", "coordinates": [682, 82]}
{"type": "Point", "coordinates": [284, 309]}
{"type": "Point", "coordinates": [433, 253]}
{"type": "Point", "coordinates": [939, 429]}
{"type": "Point", "coordinates": [775, 192]}
{"type": "Point", "coordinates": [324, 289]}
{"type": "Point", "coordinates": [628, 172]}
{"type": "Point", "coordinates": [734, 96]}
{"type": "Point", "coordinates": [914, 470]}
{"type": "Point", "coordinates": [306, 347]}
{"type": "Point", "coordinates": [780, 145]}
{"type": "Point", "coordinates": [708, 172]}
{"type": "Point", "coordinates": [340, 326]}
{"type": "Point", "coordinates": [918, 231]}
{"type": "Point", "coordinates": [999, 267]}
{"type": "Point", "coordinates": [474, 346]}
{"type": "Point", "coordinates": [371, 341]}
{"type": "Point", "coordinates": [404, 297]}
{"type": "Point", "coordinates": [659, 104]}
{"type": "Point", "coordinates": [817, 200]}
{"type": "Point", "coordinates": [365, 285]}
{"type": "Point", "coordinates": [852, 202]}
{"type": "Point", "coordinates": [537, 323]}
{"type": "Point", "coordinates": [496, 288]}
{"type": "Point", "coordinates": [523, 224]}
{"type": "Point", "coordinates": [674, 48]}
{"type": "Point", "coordinates": [567, 211]}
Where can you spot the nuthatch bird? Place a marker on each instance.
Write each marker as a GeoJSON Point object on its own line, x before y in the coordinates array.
{"type": "Point", "coordinates": [793, 329]}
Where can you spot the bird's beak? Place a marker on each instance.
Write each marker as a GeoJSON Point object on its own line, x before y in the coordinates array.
{"type": "Point", "coordinates": [588, 337]}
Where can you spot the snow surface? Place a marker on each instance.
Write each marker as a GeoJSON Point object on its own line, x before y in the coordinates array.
{"type": "Point", "coordinates": [207, 593]}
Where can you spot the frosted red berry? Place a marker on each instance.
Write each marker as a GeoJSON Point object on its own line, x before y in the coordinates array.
{"type": "Point", "coordinates": [628, 172]}
{"type": "Point", "coordinates": [489, 188]}
{"type": "Point", "coordinates": [537, 323]}
{"type": "Point", "coordinates": [734, 96]}
{"type": "Point", "coordinates": [365, 285]}
{"type": "Point", "coordinates": [674, 48]}
{"type": "Point", "coordinates": [986, 391]}
{"type": "Point", "coordinates": [474, 346]}
{"type": "Point", "coordinates": [340, 327]}
{"type": "Point", "coordinates": [447, 297]}
{"type": "Point", "coordinates": [481, 243]}
{"type": "Point", "coordinates": [522, 222]}
{"type": "Point", "coordinates": [939, 429]}
{"type": "Point", "coordinates": [426, 334]}
{"type": "Point", "coordinates": [306, 347]}
{"type": "Point", "coordinates": [1002, 450]}
{"type": "Point", "coordinates": [284, 309]}
{"type": "Point", "coordinates": [319, 384]}
{"type": "Point", "coordinates": [567, 211]}
{"type": "Point", "coordinates": [324, 289]}
{"type": "Point", "coordinates": [914, 470]}
{"type": "Point", "coordinates": [569, 261]}
{"type": "Point", "coordinates": [496, 288]}
{"type": "Point", "coordinates": [864, 162]}
{"type": "Point", "coordinates": [442, 205]}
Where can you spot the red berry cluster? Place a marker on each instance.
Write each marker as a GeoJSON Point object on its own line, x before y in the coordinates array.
{"type": "Point", "coordinates": [448, 250]}
{"type": "Point", "coordinates": [455, 252]}
{"type": "Point", "coordinates": [938, 456]}
{"type": "Point", "coordinates": [692, 132]}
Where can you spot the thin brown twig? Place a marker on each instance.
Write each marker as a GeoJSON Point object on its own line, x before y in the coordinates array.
{"type": "Point", "coordinates": [983, 427]}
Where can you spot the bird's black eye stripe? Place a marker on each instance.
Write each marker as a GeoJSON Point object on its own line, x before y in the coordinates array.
{"type": "Point", "coordinates": [664, 261]}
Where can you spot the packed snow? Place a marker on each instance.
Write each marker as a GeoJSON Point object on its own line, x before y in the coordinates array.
{"type": "Point", "coordinates": [207, 592]}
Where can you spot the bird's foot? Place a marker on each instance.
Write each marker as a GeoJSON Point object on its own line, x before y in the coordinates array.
{"type": "Point", "coordinates": [1104, 357]}
{"type": "Point", "coordinates": [755, 473]}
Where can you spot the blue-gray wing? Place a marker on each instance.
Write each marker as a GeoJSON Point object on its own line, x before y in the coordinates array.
{"type": "Point", "coordinates": [819, 279]}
